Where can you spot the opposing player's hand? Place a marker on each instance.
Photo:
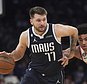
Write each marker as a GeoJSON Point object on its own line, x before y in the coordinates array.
{"type": "Point", "coordinates": [64, 61]}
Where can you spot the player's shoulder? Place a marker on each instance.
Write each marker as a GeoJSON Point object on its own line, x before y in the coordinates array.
{"type": "Point", "coordinates": [68, 29]}
{"type": "Point", "coordinates": [64, 26]}
{"type": "Point", "coordinates": [24, 34]}
{"type": "Point", "coordinates": [59, 27]}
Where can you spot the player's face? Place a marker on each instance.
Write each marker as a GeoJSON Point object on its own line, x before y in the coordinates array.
{"type": "Point", "coordinates": [39, 22]}
{"type": "Point", "coordinates": [83, 41]}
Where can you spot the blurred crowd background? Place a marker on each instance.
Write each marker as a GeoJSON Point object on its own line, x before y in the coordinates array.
{"type": "Point", "coordinates": [15, 19]}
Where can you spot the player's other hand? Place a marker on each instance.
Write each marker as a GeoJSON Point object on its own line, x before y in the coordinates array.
{"type": "Point", "coordinates": [64, 61]}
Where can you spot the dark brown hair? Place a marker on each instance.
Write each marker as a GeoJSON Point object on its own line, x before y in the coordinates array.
{"type": "Point", "coordinates": [37, 10]}
{"type": "Point", "coordinates": [82, 28]}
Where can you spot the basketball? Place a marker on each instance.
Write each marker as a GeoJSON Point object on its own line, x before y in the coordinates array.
{"type": "Point", "coordinates": [7, 64]}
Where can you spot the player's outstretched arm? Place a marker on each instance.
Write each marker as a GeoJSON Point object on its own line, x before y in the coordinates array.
{"type": "Point", "coordinates": [65, 30]}
{"type": "Point", "coordinates": [18, 53]}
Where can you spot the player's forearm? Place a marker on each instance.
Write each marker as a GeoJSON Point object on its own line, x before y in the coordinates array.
{"type": "Point", "coordinates": [17, 55]}
{"type": "Point", "coordinates": [73, 42]}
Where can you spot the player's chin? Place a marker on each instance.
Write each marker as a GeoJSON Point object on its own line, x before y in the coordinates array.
{"type": "Point", "coordinates": [42, 29]}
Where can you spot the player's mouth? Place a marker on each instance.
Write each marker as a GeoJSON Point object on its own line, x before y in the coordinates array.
{"type": "Point", "coordinates": [42, 28]}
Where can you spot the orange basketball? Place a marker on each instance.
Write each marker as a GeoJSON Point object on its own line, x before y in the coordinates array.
{"type": "Point", "coordinates": [7, 64]}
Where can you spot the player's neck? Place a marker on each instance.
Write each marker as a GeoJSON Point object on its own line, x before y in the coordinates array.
{"type": "Point", "coordinates": [39, 33]}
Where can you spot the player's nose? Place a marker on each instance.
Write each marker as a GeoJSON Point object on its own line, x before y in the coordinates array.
{"type": "Point", "coordinates": [42, 22]}
{"type": "Point", "coordinates": [84, 42]}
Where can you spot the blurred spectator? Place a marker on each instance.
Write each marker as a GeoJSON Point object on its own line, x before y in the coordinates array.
{"type": "Point", "coordinates": [11, 79]}
{"type": "Point", "coordinates": [1, 79]}
{"type": "Point", "coordinates": [78, 75]}
{"type": "Point", "coordinates": [69, 80]}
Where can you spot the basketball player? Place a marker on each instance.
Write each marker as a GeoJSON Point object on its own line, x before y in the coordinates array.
{"type": "Point", "coordinates": [44, 42]}
{"type": "Point", "coordinates": [81, 49]}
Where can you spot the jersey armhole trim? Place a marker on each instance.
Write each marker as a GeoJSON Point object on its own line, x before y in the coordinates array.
{"type": "Point", "coordinates": [28, 43]}
{"type": "Point", "coordinates": [53, 26]}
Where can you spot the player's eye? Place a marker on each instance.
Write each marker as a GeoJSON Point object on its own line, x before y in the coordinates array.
{"type": "Point", "coordinates": [85, 39]}
{"type": "Point", "coordinates": [80, 39]}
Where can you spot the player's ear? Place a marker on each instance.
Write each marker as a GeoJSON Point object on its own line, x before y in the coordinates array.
{"type": "Point", "coordinates": [31, 21]}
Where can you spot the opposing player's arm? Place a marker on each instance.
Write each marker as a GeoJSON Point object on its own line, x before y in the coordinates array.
{"type": "Point", "coordinates": [18, 53]}
{"type": "Point", "coordinates": [65, 30]}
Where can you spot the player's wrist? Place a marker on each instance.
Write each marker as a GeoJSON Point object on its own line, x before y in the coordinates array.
{"type": "Point", "coordinates": [10, 54]}
{"type": "Point", "coordinates": [68, 56]}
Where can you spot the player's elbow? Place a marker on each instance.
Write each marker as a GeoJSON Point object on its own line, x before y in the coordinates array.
{"type": "Point", "coordinates": [75, 33]}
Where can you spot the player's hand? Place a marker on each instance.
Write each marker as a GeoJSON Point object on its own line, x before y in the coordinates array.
{"type": "Point", "coordinates": [3, 53]}
{"type": "Point", "coordinates": [64, 61]}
